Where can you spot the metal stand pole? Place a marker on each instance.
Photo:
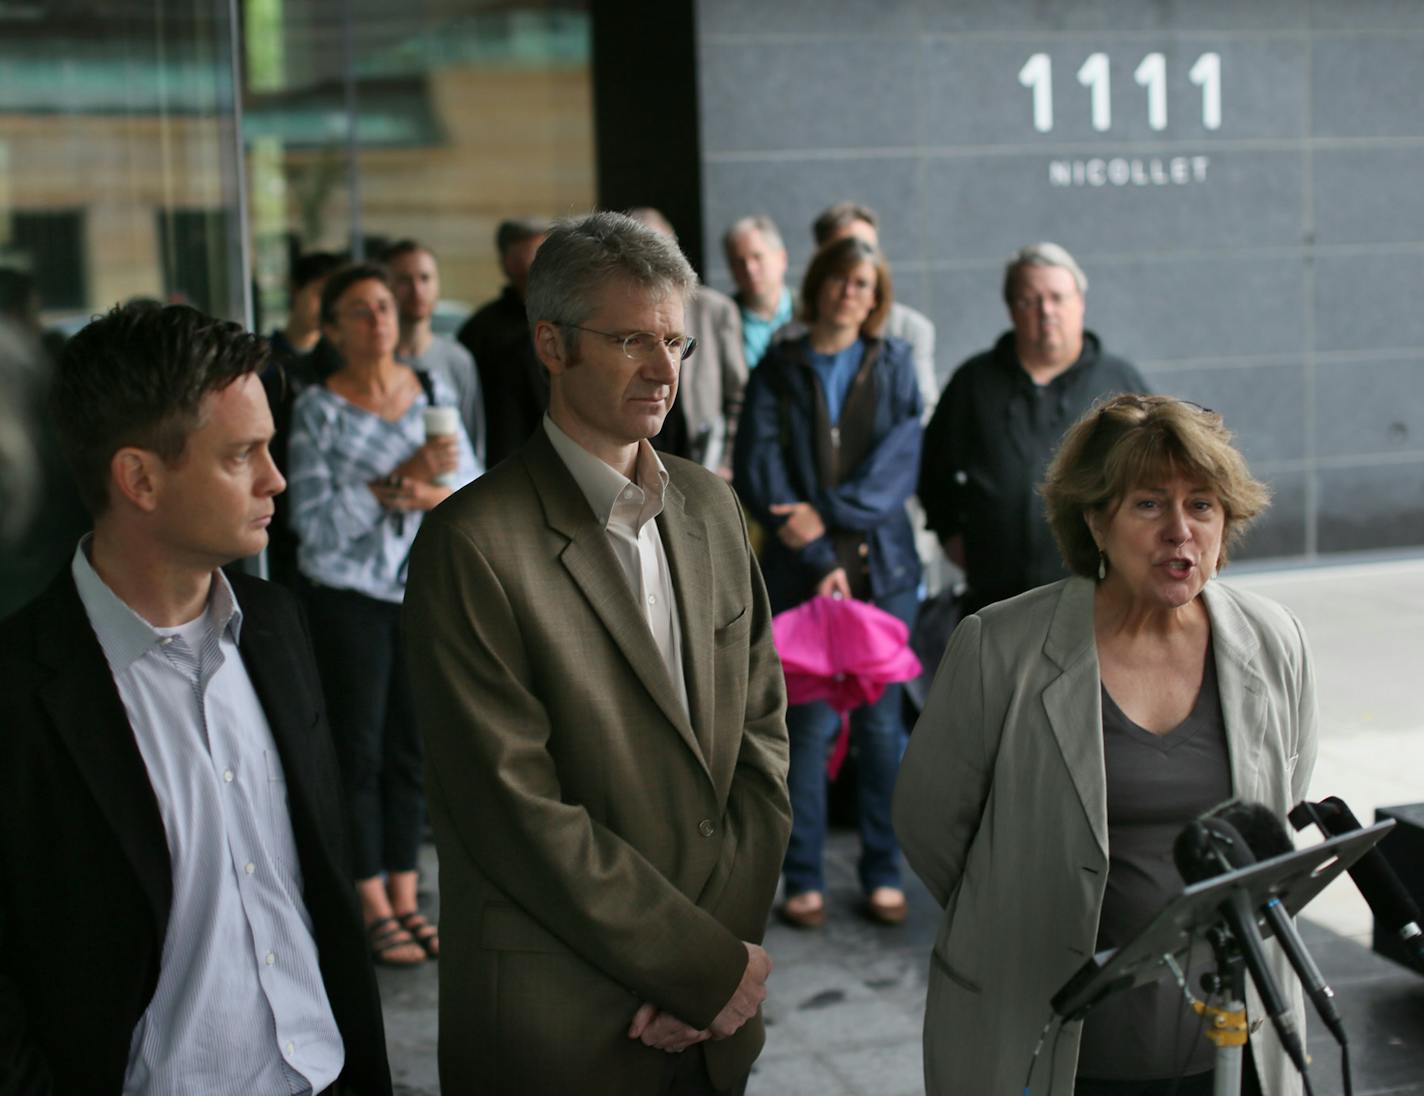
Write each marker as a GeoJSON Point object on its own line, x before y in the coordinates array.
{"type": "Point", "coordinates": [1226, 1026]}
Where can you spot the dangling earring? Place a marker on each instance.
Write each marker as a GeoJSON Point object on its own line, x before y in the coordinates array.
{"type": "Point", "coordinates": [1102, 565]}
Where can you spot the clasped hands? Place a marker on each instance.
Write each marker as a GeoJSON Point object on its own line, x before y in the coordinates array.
{"type": "Point", "coordinates": [664, 1031]}
{"type": "Point", "coordinates": [411, 484]}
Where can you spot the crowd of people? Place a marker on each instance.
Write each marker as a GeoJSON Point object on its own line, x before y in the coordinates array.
{"type": "Point", "coordinates": [525, 582]}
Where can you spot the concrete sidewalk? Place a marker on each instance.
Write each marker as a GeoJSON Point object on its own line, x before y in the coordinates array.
{"type": "Point", "coordinates": [846, 1002]}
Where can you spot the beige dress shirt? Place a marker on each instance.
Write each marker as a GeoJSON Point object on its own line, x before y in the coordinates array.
{"type": "Point", "coordinates": [626, 509]}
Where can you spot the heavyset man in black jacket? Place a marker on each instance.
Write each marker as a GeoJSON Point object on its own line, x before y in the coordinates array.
{"type": "Point", "coordinates": [999, 421]}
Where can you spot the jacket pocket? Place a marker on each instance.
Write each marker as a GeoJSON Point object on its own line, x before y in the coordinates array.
{"type": "Point", "coordinates": [734, 630]}
{"type": "Point", "coordinates": [953, 975]}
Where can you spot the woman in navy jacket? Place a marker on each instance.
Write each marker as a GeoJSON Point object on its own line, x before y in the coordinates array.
{"type": "Point", "coordinates": [825, 459]}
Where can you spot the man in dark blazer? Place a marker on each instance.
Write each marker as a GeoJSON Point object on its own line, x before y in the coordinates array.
{"type": "Point", "coordinates": [603, 710]}
{"type": "Point", "coordinates": [175, 905]}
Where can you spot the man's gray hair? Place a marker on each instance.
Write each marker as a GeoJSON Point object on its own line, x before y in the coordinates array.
{"type": "Point", "coordinates": [759, 222]}
{"type": "Point", "coordinates": [581, 255]}
{"type": "Point", "coordinates": [1041, 254]}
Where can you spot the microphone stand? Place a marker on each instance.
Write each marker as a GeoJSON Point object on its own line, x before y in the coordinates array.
{"type": "Point", "coordinates": [1224, 1025]}
{"type": "Point", "coordinates": [1295, 879]}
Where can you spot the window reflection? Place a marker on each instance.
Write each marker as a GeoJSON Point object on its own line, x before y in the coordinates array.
{"type": "Point", "coordinates": [116, 154]}
{"type": "Point", "coordinates": [120, 164]}
{"type": "Point", "coordinates": [466, 114]}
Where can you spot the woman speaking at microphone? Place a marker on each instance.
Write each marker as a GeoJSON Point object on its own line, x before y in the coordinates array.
{"type": "Point", "coordinates": [1071, 733]}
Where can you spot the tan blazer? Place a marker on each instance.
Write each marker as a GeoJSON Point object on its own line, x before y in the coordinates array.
{"type": "Point", "coordinates": [598, 848]}
{"type": "Point", "coordinates": [1001, 807]}
{"type": "Point", "coordinates": [709, 390]}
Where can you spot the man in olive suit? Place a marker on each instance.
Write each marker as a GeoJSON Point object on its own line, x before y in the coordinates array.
{"type": "Point", "coordinates": [603, 709]}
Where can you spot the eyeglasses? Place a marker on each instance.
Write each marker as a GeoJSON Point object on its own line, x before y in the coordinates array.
{"type": "Point", "coordinates": [641, 345]}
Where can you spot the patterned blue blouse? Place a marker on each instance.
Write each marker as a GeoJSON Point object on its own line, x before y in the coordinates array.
{"type": "Point", "coordinates": [348, 539]}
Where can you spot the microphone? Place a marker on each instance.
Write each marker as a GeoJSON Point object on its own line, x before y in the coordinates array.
{"type": "Point", "coordinates": [1206, 848]}
{"type": "Point", "coordinates": [1265, 837]}
{"type": "Point", "coordinates": [1391, 904]}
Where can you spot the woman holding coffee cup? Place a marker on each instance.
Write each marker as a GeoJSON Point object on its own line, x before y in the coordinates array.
{"type": "Point", "coordinates": [372, 448]}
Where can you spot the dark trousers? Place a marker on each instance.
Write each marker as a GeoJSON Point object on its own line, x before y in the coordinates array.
{"type": "Point", "coordinates": [361, 660]}
{"type": "Point", "coordinates": [1200, 1084]}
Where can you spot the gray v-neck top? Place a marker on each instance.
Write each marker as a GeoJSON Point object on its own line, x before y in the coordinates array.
{"type": "Point", "coordinates": [1156, 784]}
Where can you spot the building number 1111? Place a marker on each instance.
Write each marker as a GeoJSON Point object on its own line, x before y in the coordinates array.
{"type": "Point", "coordinates": [1037, 75]}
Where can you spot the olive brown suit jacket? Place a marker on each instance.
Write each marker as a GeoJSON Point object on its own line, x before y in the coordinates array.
{"type": "Point", "coordinates": [598, 847]}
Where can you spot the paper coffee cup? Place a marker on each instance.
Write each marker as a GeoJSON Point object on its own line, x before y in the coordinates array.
{"type": "Point", "coordinates": [442, 422]}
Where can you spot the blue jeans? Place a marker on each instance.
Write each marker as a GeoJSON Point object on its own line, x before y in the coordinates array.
{"type": "Point", "coordinates": [878, 741]}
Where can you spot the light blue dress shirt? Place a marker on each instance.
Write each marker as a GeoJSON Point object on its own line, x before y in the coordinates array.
{"type": "Point", "coordinates": [240, 1007]}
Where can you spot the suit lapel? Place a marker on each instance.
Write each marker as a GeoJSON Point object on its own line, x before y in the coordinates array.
{"type": "Point", "coordinates": [690, 558]}
{"type": "Point", "coordinates": [1241, 687]}
{"type": "Point", "coordinates": [90, 720]}
{"type": "Point", "coordinates": [590, 562]}
{"type": "Point", "coordinates": [1073, 701]}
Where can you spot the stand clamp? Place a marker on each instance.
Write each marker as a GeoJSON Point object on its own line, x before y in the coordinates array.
{"type": "Point", "coordinates": [1226, 1027]}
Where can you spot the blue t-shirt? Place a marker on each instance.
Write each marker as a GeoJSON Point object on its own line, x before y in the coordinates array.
{"type": "Point", "coordinates": [836, 371]}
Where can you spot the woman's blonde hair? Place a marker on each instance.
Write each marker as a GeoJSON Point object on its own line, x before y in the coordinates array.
{"type": "Point", "coordinates": [1129, 441]}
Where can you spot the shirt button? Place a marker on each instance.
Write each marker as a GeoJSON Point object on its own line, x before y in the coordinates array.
{"type": "Point", "coordinates": [652, 599]}
{"type": "Point", "coordinates": [249, 868]}
{"type": "Point", "coordinates": [165, 641]}
{"type": "Point", "coordinates": [705, 827]}
{"type": "Point", "coordinates": [270, 959]}
{"type": "Point", "coordinates": [227, 776]}
{"type": "Point", "coordinates": [291, 1049]}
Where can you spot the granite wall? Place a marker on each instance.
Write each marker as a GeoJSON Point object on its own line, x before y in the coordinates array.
{"type": "Point", "coordinates": [1241, 182]}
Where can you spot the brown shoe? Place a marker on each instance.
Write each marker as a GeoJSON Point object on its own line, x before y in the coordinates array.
{"type": "Point", "coordinates": [803, 915]}
{"type": "Point", "coordinates": [887, 905]}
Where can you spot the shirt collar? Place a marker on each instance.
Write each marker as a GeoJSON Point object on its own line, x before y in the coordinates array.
{"type": "Point", "coordinates": [124, 635]}
{"type": "Point", "coordinates": [603, 485]}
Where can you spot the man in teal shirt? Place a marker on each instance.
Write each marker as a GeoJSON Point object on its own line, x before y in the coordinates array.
{"type": "Point", "coordinates": [757, 259]}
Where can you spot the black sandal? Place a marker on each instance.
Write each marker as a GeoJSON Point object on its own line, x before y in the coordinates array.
{"type": "Point", "coordinates": [384, 936]}
{"type": "Point", "coordinates": [421, 931]}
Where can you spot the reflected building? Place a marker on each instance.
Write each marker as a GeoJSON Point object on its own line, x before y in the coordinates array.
{"type": "Point", "coordinates": [187, 151]}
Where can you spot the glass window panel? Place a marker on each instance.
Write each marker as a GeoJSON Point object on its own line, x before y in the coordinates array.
{"type": "Point", "coordinates": [117, 154]}
{"type": "Point", "coordinates": [467, 114]}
